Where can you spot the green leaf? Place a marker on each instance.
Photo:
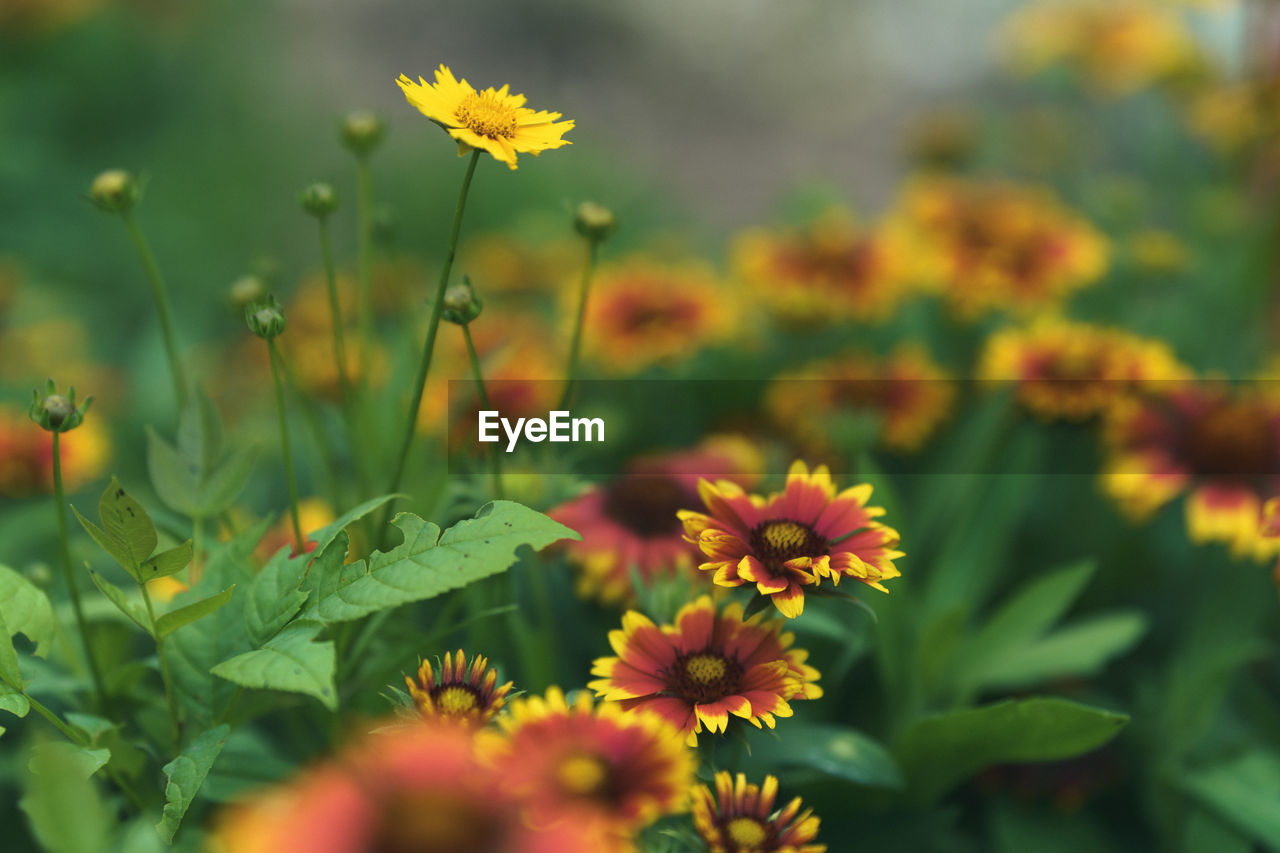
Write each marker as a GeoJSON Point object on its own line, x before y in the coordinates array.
{"type": "Point", "coordinates": [113, 546]}
{"type": "Point", "coordinates": [185, 775]}
{"type": "Point", "coordinates": [428, 564]}
{"type": "Point", "coordinates": [327, 534]}
{"type": "Point", "coordinates": [9, 672]}
{"type": "Point", "coordinates": [290, 661]}
{"type": "Point", "coordinates": [125, 520]}
{"type": "Point", "coordinates": [940, 750]}
{"type": "Point", "coordinates": [136, 613]}
{"type": "Point", "coordinates": [26, 610]}
{"type": "Point", "coordinates": [834, 750]}
{"type": "Point", "coordinates": [200, 432]}
{"type": "Point", "coordinates": [13, 701]}
{"type": "Point", "coordinates": [175, 619]}
{"type": "Point", "coordinates": [1243, 791]}
{"type": "Point", "coordinates": [65, 810]}
{"type": "Point", "coordinates": [194, 478]}
{"type": "Point", "coordinates": [273, 596]}
{"type": "Point", "coordinates": [176, 481]}
{"type": "Point", "coordinates": [166, 562]}
{"type": "Point", "coordinates": [1080, 649]}
{"type": "Point", "coordinates": [226, 481]}
{"type": "Point", "coordinates": [1026, 616]}
{"type": "Point", "coordinates": [84, 761]}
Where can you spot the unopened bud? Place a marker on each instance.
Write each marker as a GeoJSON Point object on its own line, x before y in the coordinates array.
{"type": "Point", "coordinates": [461, 304]}
{"type": "Point", "coordinates": [594, 221]}
{"type": "Point", "coordinates": [319, 200]}
{"type": "Point", "coordinates": [115, 191]}
{"type": "Point", "coordinates": [246, 290]}
{"type": "Point", "coordinates": [55, 412]}
{"type": "Point", "coordinates": [362, 132]}
{"type": "Point", "coordinates": [266, 318]}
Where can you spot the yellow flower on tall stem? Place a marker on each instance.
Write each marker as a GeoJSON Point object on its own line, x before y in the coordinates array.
{"type": "Point", "coordinates": [740, 818]}
{"type": "Point", "coordinates": [794, 538]}
{"type": "Point", "coordinates": [706, 666]}
{"type": "Point", "coordinates": [459, 693]}
{"type": "Point", "coordinates": [492, 120]}
{"type": "Point", "coordinates": [590, 765]}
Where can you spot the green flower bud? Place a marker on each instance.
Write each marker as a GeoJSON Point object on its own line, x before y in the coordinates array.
{"type": "Point", "coordinates": [55, 412]}
{"type": "Point", "coordinates": [115, 191]}
{"type": "Point", "coordinates": [362, 132]}
{"type": "Point", "coordinates": [266, 318]}
{"type": "Point", "coordinates": [461, 304]}
{"type": "Point", "coordinates": [594, 221]}
{"type": "Point", "coordinates": [319, 200]}
{"type": "Point", "coordinates": [245, 290]}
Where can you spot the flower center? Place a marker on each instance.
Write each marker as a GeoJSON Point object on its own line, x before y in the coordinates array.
{"type": "Point", "coordinates": [746, 833]}
{"type": "Point", "coordinates": [646, 505]}
{"type": "Point", "coordinates": [455, 699]}
{"type": "Point", "coordinates": [1233, 440]}
{"type": "Point", "coordinates": [775, 542]}
{"type": "Point", "coordinates": [582, 775]}
{"type": "Point", "coordinates": [705, 676]}
{"type": "Point", "coordinates": [487, 114]}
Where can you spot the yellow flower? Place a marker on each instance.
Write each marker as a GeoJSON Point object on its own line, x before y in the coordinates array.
{"type": "Point", "coordinates": [493, 120]}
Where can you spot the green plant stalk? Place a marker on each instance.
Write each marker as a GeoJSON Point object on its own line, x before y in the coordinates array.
{"type": "Point", "coordinates": [495, 459]}
{"type": "Point", "coordinates": [284, 446]}
{"type": "Point", "coordinates": [72, 590]}
{"type": "Point", "coordinates": [424, 367]}
{"type": "Point", "coordinates": [335, 310]}
{"type": "Point", "coordinates": [575, 348]}
{"type": "Point", "coordinates": [161, 295]}
{"type": "Point", "coordinates": [169, 697]}
{"type": "Point", "coordinates": [364, 262]}
{"type": "Point", "coordinates": [75, 737]}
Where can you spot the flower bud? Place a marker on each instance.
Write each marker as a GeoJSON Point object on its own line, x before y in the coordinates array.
{"type": "Point", "coordinates": [594, 221]}
{"type": "Point", "coordinates": [115, 191]}
{"type": "Point", "coordinates": [266, 318]}
{"type": "Point", "coordinates": [55, 412]}
{"type": "Point", "coordinates": [362, 132]}
{"type": "Point", "coordinates": [245, 290]}
{"type": "Point", "coordinates": [319, 200]}
{"type": "Point", "coordinates": [461, 304]}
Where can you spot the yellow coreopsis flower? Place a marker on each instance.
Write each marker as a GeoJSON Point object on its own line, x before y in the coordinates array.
{"type": "Point", "coordinates": [492, 120]}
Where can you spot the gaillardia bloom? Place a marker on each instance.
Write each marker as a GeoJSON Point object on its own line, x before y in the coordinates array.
{"type": "Point", "coordinates": [415, 787]}
{"type": "Point", "coordinates": [830, 270]}
{"type": "Point", "coordinates": [908, 393]}
{"type": "Point", "coordinates": [793, 538]}
{"type": "Point", "coordinates": [705, 667]}
{"type": "Point", "coordinates": [1220, 447]}
{"type": "Point", "coordinates": [1076, 371]}
{"type": "Point", "coordinates": [740, 818]}
{"type": "Point", "coordinates": [472, 695]}
{"type": "Point", "coordinates": [493, 120]}
{"type": "Point", "coordinates": [991, 246]}
{"type": "Point", "coordinates": [632, 522]}
{"type": "Point", "coordinates": [591, 765]}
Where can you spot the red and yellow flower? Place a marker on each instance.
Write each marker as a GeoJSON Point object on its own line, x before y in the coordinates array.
{"type": "Point", "coordinates": [642, 313]}
{"type": "Point", "coordinates": [990, 245]}
{"type": "Point", "coordinates": [632, 523]}
{"type": "Point", "coordinates": [26, 455]}
{"type": "Point", "coordinates": [588, 765]}
{"type": "Point", "coordinates": [830, 270]}
{"type": "Point", "coordinates": [470, 695]}
{"type": "Point", "coordinates": [704, 667]}
{"type": "Point", "coordinates": [793, 538]}
{"type": "Point", "coordinates": [1220, 448]}
{"type": "Point", "coordinates": [908, 392]}
{"type": "Point", "coordinates": [416, 787]}
{"type": "Point", "coordinates": [740, 817]}
{"type": "Point", "coordinates": [1076, 371]}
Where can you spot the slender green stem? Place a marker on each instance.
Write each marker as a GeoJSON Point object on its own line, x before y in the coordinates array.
{"type": "Point", "coordinates": [72, 590]}
{"type": "Point", "coordinates": [169, 696]}
{"type": "Point", "coordinates": [495, 457]}
{"type": "Point", "coordinates": [161, 295]}
{"type": "Point", "coordinates": [335, 309]}
{"type": "Point", "coordinates": [76, 738]}
{"type": "Point", "coordinates": [575, 348]}
{"type": "Point", "coordinates": [364, 261]}
{"type": "Point", "coordinates": [284, 446]}
{"type": "Point", "coordinates": [424, 367]}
